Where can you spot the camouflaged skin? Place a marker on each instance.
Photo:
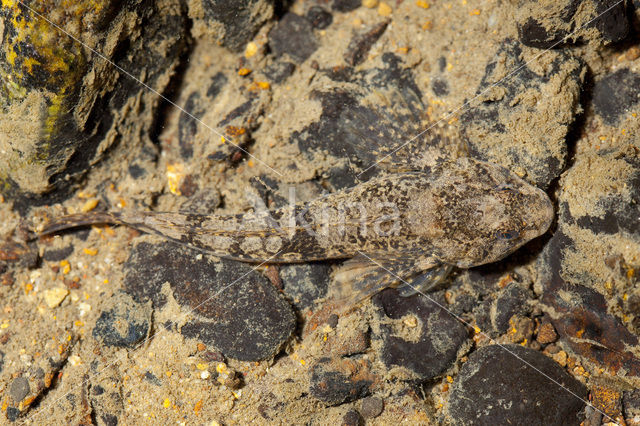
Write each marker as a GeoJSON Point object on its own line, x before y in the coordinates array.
{"type": "Point", "coordinates": [460, 213]}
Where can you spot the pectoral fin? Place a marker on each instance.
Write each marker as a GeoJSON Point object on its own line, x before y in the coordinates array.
{"type": "Point", "coordinates": [366, 274]}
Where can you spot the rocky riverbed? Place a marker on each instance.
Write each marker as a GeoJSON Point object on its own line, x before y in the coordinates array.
{"type": "Point", "coordinates": [210, 106]}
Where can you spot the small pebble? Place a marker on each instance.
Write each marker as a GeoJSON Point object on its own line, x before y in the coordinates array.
{"type": "Point", "coordinates": [54, 296]}
{"type": "Point", "coordinates": [371, 407]}
{"type": "Point", "coordinates": [251, 49]}
{"type": "Point", "coordinates": [384, 9]}
{"type": "Point", "coordinates": [352, 418]}
{"type": "Point", "coordinates": [560, 357]}
{"type": "Point", "coordinates": [370, 3]}
{"type": "Point", "coordinates": [332, 321]}
{"type": "Point", "coordinates": [89, 205]}
{"type": "Point", "coordinates": [319, 17]}
{"type": "Point", "coordinates": [19, 389]}
{"type": "Point", "coordinates": [546, 334]}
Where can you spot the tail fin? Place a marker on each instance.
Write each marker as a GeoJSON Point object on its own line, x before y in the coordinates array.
{"type": "Point", "coordinates": [79, 219]}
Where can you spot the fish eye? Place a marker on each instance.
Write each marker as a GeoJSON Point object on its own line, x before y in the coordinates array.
{"type": "Point", "coordinates": [507, 235]}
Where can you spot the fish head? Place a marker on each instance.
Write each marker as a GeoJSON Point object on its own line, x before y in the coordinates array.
{"type": "Point", "coordinates": [490, 213]}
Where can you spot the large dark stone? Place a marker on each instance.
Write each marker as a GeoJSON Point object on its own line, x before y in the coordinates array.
{"type": "Point", "coordinates": [234, 308]}
{"type": "Point", "coordinates": [514, 385]}
{"type": "Point", "coordinates": [436, 348]}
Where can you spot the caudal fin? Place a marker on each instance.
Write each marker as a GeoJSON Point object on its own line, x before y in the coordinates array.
{"type": "Point", "coordinates": [79, 219]}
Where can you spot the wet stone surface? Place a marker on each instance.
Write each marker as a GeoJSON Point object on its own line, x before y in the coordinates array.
{"type": "Point", "coordinates": [495, 387]}
{"type": "Point", "coordinates": [581, 316]}
{"type": "Point", "coordinates": [345, 5]}
{"type": "Point", "coordinates": [438, 338]}
{"type": "Point", "coordinates": [236, 310]}
{"type": "Point", "coordinates": [361, 43]}
{"type": "Point", "coordinates": [319, 17]}
{"type": "Point", "coordinates": [279, 71]}
{"type": "Point", "coordinates": [371, 407]}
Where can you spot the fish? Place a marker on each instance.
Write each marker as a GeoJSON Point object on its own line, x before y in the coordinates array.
{"type": "Point", "coordinates": [409, 226]}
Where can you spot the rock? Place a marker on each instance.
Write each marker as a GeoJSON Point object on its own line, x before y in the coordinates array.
{"type": "Point", "coordinates": [464, 303]}
{"type": "Point", "coordinates": [235, 309]}
{"type": "Point", "coordinates": [306, 283]}
{"type": "Point", "coordinates": [511, 301]}
{"type": "Point", "coordinates": [19, 389]}
{"type": "Point", "coordinates": [582, 320]}
{"type": "Point", "coordinates": [583, 288]}
{"type": "Point", "coordinates": [347, 342]}
{"type": "Point", "coordinates": [203, 201]}
{"type": "Point", "coordinates": [362, 103]}
{"type": "Point", "coordinates": [293, 35]}
{"type": "Point", "coordinates": [360, 44]}
{"type": "Point", "coordinates": [520, 119]}
{"type": "Point", "coordinates": [546, 334]}
{"type": "Point", "coordinates": [51, 148]}
{"type": "Point", "coordinates": [12, 414]}
{"type": "Point", "coordinates": [606, 399]}
{"type": "Point", "coordinates": [279, 71]}
{"type": "Point", "coordinates": [105, 397]}
{"type": "Point", "coordinates": [188, 126]}
{"type": "Point", "coordinates": [232, 23]}
{"type": "Point", "coordinates": [123, 323]}
{"type": "Point", "coordinates": [520, 329]}
{"type": "Point", "coordinates": [352, 418]}
{"type": "Point", "coordinates": [345, 5]}
{"type": "Point", "coordinates": [54, 296]}
{"type": "Point", "coordinates": [427, 350]}
{"type": "Point", "coordinates": [56, 255]}
{"type": "Point", "coordinates": [616, 94]}
{"type": "Point", "coordinates": [32, 370]}
{"type": "Point", "coordinates": [319, 17]}
{"type": "Point", "coordinates": [556, 24]}
{"type": "Point", "coordinates": [17, 255]}
{"type": "Point", "coordinates": [335, 381]}
{"type": "Point", "coordinates": [496, 387]}
{"type": "Point", "coordinates": [371, 407]}
{"type": "Point", "coordinates": [631, 405]}
{"type": "Point", "coordinates": [136, 171]}
{"type": "Point", "coordinates": [440, 87]}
